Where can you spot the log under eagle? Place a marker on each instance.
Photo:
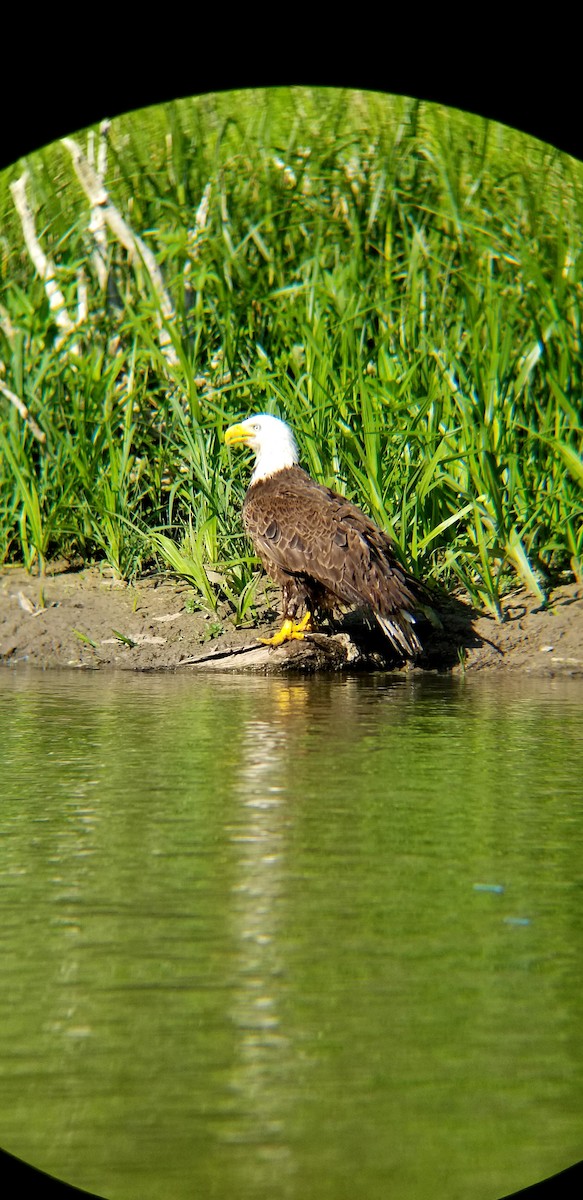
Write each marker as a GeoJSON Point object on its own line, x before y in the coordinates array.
{"type": "Point", "coordinates": [318, 547]}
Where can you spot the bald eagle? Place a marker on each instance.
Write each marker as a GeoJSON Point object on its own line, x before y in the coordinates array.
{"type": "Point", "coordinates": [321, 549]}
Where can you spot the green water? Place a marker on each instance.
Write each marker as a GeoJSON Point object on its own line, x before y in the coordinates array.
{"type": "Point", "coordinates": [312, 939]}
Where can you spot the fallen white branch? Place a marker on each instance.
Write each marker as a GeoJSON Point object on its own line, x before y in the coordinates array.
{"type": "Point", "coordinates": [102, 152]}
{"type": "Point", "coordinates": [44, 266]}
{"type": "Point", "coordinates": [97, 223]}
{"type": "Point", "coordinates": [82, 297]}
{"type": "Point", "coordinates": [99, 199]}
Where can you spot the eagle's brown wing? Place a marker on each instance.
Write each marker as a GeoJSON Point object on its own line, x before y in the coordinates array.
{"type": "Point", "coordinates": [308, 530]}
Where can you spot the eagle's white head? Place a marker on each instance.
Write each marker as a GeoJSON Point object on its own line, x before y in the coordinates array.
{"type": "Point", "coordinates": [272, 440]}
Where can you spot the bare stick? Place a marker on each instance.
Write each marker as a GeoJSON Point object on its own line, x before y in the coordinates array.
{"type": "Point", "coordinates": [97, 223]}
{"type": "Point", "coordinates": [99, 199]}
{"type": "Point", "coordinates": [44, 266]}
{"type": "Point", "coordinates": [102, 152]}
{"type": "Point", "coordinates": [82, 297]}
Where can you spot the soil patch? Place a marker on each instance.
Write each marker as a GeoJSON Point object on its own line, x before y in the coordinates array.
{"type": "Point", "coordinates": [88, 620]}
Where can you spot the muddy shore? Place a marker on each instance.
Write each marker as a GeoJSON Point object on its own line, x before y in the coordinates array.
{"type": "Point", "coordinates": [88, 620]}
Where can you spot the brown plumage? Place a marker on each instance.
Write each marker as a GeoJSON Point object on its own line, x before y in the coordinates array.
{"type": "Point", "coordinates": [321, 549]}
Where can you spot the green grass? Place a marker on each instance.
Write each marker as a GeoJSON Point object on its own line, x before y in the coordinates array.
{"type": "Point", "coordinates": [402, 282]}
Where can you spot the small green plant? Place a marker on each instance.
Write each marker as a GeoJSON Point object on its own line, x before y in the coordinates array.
{"type": "Point", "coordinates": [121, 637]}
{"type": "Point", "coordinates": [83, 638]}
{"type": "Point", "coordinates": [214, 630]}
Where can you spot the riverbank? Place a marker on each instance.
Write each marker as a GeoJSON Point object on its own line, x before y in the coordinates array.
{"type": "Point", "coordinates": [89, 620]}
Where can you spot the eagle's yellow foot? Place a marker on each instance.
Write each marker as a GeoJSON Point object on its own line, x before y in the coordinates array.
{"type": "Point", "coordinates": [289, 631]}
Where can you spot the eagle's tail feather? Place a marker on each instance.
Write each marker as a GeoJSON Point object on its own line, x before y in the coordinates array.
{"type": "Point", "coordinates": [401, 634]}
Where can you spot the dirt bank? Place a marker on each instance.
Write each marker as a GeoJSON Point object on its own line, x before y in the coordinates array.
{"type": "Point", "coordinates": [89, 620]}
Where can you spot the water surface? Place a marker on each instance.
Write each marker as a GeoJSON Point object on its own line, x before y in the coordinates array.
{"type": "Point", "coordinates": [298, 938]}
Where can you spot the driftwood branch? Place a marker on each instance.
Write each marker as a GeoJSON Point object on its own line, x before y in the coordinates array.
{"type": "Point", "coordinates": [44, 266]}
{"type": "Point", "coordinates": [136, 248]}
{"type": "Point", "coordinates": [314, 652]}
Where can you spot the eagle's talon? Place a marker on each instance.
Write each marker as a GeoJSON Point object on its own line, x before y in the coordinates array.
{"type": "Point", "coordinates": [289, 632]}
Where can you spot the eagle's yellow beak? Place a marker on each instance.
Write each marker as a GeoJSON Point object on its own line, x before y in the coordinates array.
{"type": "Point", "coordinates": [237, 435]}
